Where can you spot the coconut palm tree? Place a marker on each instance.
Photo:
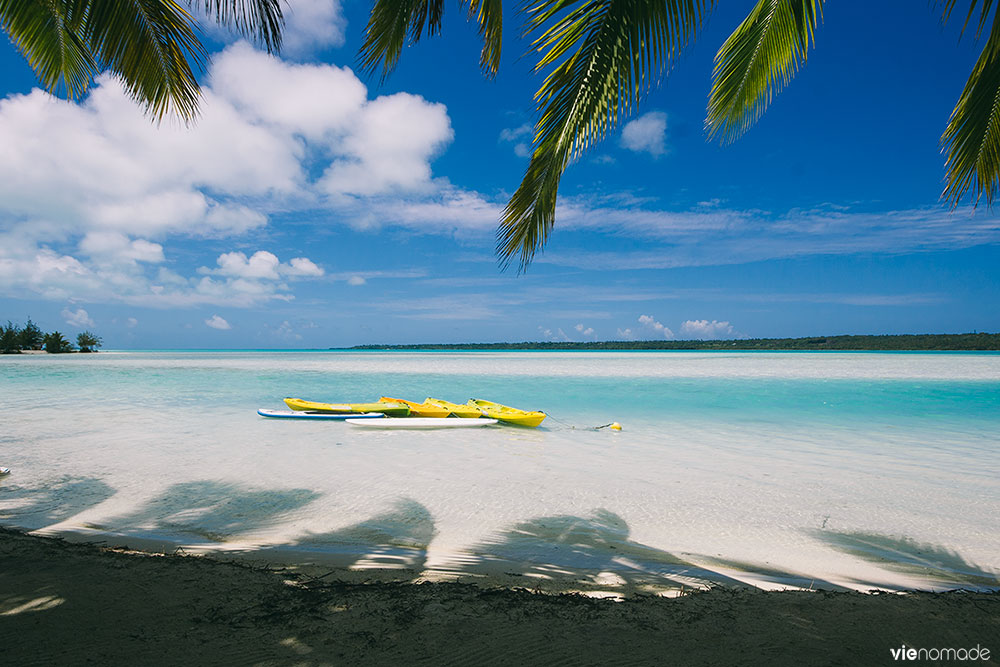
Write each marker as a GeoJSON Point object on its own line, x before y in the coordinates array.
{"type": "Point", "coordinates": [600, 57]}
{"type": "Point", "coordinates": [151, 46]}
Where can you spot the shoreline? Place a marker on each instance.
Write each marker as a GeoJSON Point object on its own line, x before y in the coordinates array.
{"type": "Point", "coordinates": [69, 603]}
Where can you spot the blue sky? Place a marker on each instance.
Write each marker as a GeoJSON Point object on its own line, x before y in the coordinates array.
{"type": "Point", "coordinates": [313, 207]}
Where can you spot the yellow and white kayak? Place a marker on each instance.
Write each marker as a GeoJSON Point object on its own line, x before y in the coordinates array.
{"type": "Point", "coordinates": [465, 411]}
{"type": "Point", "coordinates": [508, 414]}
{"type": "Point", "coordinates": [424, 409]}
{"type": "Point", "coordinates": [390, 409]}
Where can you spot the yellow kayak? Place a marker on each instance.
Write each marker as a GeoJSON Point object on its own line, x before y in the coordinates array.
{"type": "Point", "coordinates": [391, 409]}
{"type": "Point", "coordinates": [419, 409]}
{"type": "Point", "coordinates": [508, 414]}
{"type": "Point", "coordinates": [465, 411]}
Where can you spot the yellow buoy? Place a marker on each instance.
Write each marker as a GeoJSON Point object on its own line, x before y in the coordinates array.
{"type": "Point", "coordinates": [615, 426]}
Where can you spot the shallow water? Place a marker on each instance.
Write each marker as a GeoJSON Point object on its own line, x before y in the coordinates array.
{"type": "Point", "coordinates": [853, 470]}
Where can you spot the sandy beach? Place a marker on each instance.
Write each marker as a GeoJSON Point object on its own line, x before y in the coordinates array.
{"type": "Point", "coordinates": [76, 604]}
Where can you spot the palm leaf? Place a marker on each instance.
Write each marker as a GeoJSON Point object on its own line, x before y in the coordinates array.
{"type": "Point", "coordinates": [757, 61]}
{"type": "Point", "coordinates": [48, 35]}
{"type": "Point", "coordinates": [391, 25]}
{"type": "Point", "coordinates": [260, 20]}
{"type": "Point", "coordinates": [972, 137]}
{"type": "Point", "coordinates": [148, 45]}
{"type": "Point", "coordinates": [489, 15]}
{"type": "Point", "coordinates": [603, 55]}
{"type": "Point", "coordinates": [395, 23]}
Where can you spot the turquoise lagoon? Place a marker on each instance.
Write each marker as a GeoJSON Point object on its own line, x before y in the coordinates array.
{"type": "Point", "coordinates": [778, 470]}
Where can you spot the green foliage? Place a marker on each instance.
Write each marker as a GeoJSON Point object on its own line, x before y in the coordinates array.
{"type": "Point", "coordinates": [31, 337]}
{"type": "Point", "coordinates": [972, 138]}
{"type": "Point", "coordinates": [10, 342]}
{"type": "Point", "coordinates": [920, 342]}
{"type": "Point", "coordinates": [601, 57]}
{"type": "Point", "coordinates": [55, 343]}
{"type": "Point", "coordinates": [757, 61]}
{"type": "Point", "coordinates": [395, 23]}
{"type": "Point", "coordinates": [151, 46]}
{"type": "Point", "coordinates": [88, 342]}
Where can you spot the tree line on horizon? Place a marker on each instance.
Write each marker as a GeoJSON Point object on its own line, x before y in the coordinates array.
{"type": "Point", "coordinates": [892, 342]}
{"type": "Point", "coordinates": [15, 339]}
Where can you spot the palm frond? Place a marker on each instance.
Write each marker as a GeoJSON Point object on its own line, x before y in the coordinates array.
{"type": "Point", "coordinates": [260, 20]}
{"type": "Point", "coordinates": [984, 14]}
{"type": "Point", "coordinates": [972, 137]}
{"type": "Point", "coordinates": [757, 61]}
{"type": "Point", "coordinates": [48, 35]}
{"type": "Point", "coordinates": [392, 24]}
{"type": "Point", "coordinates": [489, 15]}
{"type": "Point", "coordinates": [603, 55]}
{"type": "Point", "coordinates": [149, 45]}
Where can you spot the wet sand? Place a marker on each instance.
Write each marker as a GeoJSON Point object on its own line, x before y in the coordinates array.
{"type": "Point", "coordinates": [76, 604]}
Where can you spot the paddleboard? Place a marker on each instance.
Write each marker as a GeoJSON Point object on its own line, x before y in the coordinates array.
{"type": "Point", "coordinates": [421, 422]}
{"type": "Point", "coordinates": [291, 414]}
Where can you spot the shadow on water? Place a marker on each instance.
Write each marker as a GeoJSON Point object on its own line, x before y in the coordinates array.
{"type": "Point", "coordinates": [931, 562]}
{"type": "Point", "coordinates": [593, 552]}
{"type": "Point", "coordinates": [32, 508]}
{"type": "Point", "coordinates": [209, 510]}
{"type": "Point", "coordinates": [393, 540]}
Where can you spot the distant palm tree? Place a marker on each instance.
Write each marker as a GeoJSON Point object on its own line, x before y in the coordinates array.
{"type": "Point", "coordinates": [149, 45]}
{"type": "Point", "coordinates": [56, 343]}
{"type": "Point", "coordinates": [600, 57]}
{"type": "Point", "coordinates": [88, 342]}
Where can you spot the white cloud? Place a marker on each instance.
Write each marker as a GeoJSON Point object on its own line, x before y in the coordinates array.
{"type": "Point", "coordinates": [520, 137]}
{"type": "Point", "coordinates": [586, 331]}
{"type": "Point", "coordinates": [131, 322]}
{"type": "Point", "coordinates": [356, 281]}
{"type": "Point", "coordinates": [312, 25]}
{"type": "Point", "coordinates": [92, 194]}
{"type": "Point", "coordinates": [712, 236]}
{"type": "Point", "coordinates": [627, 334]}
{"type": "Point", "coordinates": [262, 265]}
{"type": "Point", "coordinates": [647, 133]}
{"type": "Point", "coordinates": [650, 323]}
{"type": "Point", "coordinates": [78, 318]}
{"type": "Point", "coordinates": [703, 329]}
{"type": "Point", "coordinates": [216, 322]}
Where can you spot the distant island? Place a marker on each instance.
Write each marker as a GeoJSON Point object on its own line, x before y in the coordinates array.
{"type": "Point", "coordinates": [905, 342]}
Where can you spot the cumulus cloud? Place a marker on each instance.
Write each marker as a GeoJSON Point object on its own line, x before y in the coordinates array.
{"type": "Point", "coordinates": [647, 133]}
{"type": "Point", "coordinates": [311, 25]}
{"type": "Point", "coordinates": [356, 281]}
{"type": "Point", "coordinates": [92, 193]}
{"type": "Point", "coordinates": [131, 323]}
{"type": "Point", "coordinates": [586, 331]}
{"type": "Point", "coordinates": [705, 330]}
{"type": "Point", "coordinates": [520, 137]}
{"type": "Point", "coordinates": [216, 322]}
{"type": "Point", "coordinates": [627, 334]}
{"type": "Point", "coordinates": [262, 265]}
{"type": "Point", "coordinates": [650, 323]}
{"type": "Point", "coordinates": [78, 318]}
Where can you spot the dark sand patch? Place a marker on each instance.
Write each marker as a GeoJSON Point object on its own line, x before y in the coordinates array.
{"type": "Point", "coordinates": [77, 604]}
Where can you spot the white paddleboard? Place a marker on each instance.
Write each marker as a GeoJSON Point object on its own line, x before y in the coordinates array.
{"type": "Point", "coordinates": [421, 422]}
{"type": "Point", "coordinates": [339, 416]}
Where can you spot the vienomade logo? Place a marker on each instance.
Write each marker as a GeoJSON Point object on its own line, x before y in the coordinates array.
{"type": "Point", "coordinates": [905, 652]}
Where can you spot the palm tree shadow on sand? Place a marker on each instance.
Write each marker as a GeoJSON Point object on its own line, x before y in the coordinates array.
{"type": "Point", "coordinates": [33, 508]}
{"type": "Point", "coordinates": [208, 510]}
{"type": "Point", "coordinates": [933, 563]}
{"type": "Point", "coordinates": [586, 553]}
{"type": "Point", "coordinates": [396, 540]}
